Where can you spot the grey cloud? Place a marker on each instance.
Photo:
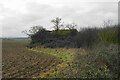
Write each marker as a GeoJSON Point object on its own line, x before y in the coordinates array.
{"type": "Point", "coordinates": [18, 22]}
{"type": "Point", "coordinates": [41, 14]}
{"type": "Point", "coordinates": [97, 15]}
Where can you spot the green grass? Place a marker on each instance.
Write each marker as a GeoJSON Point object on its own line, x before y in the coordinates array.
{"type": "Point", "coordinates": [61, 53]}
{"type": "Point", "coordinates": [66, 55]}
{"type": "Point", "coordinates": [62, 32]}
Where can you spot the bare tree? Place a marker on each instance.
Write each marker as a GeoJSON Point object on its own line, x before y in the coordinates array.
{"type": "Point", "coordinates": [57, 23]}
{"type": "Point", "coordinates": [71, 26]}
{"type": "Point", "coordinates": [107, 23]}
{"type": "Point", "coordinates": [33, 30]}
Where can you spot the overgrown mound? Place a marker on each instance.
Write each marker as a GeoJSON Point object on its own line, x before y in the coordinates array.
{"type": "Point", "coordinates": [67, 38]}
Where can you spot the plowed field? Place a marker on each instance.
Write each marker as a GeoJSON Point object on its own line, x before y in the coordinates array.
{"type": "Point", "coordinates": [19, 62]}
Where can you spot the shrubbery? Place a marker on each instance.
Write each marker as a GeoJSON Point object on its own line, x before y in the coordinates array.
{"type": "Point", "coordinates": [84, 38]}
{"type": "Point", "coordinates": [70, 37]}
{"type": "Point", "coordinates": [100, 62]}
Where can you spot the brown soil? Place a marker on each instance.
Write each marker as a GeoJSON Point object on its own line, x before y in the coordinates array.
{"type": "Point", "coordinates": [19, 62]}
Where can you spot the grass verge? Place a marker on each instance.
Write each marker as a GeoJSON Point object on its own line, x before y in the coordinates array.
{"type": "Point", "coordinates": [65, 69]}
{"type": "Point", "coordinates": [98, 62]}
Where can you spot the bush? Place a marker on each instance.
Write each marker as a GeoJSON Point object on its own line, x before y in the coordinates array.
{"type": "Point", "coordinates": [42, 37]}
{"type": "Point", "coordinates": [107, 54]}
{"type": "Point", "coordinates": [86, 37]}
{"type": "Point", "coordinates": [51, 39]}
{"type": "Point", "coordinates": [57, 44]}
{"type": "Point", "coordinates": [100, 62]}
{"type": "Point", "coordinates": [72, 38]}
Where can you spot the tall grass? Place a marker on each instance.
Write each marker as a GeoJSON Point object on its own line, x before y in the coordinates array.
{"type": "Point", "coordinates": [109, 34]}
{"type": "Point", "coordinates": [90, 36]}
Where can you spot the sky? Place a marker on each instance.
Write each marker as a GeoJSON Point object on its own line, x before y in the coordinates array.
{"type": "Point", "coordinates": [19, 15]}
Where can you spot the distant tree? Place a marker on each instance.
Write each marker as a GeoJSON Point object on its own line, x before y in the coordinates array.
{"type": "Point", "coordinates": [107, 23]}
{"type": "Point", "coordinates": [71, 26]}
{"type": "Point", "coordinates": [33, 30]}
{"type": "Point", "coordinates": [57, 23]}
{"type": "Point", "coordinates": [38, 36]}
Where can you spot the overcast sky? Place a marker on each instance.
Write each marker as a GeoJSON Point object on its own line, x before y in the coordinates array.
{"type": "Point", "coordinates": [18, 15]}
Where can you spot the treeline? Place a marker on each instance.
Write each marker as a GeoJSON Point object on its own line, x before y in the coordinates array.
{"type": "Point", "coordinates": [68, 36]}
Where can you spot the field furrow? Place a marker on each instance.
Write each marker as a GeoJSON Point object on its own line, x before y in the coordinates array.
{"type": "Point", "coordinates": [19, 62]}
